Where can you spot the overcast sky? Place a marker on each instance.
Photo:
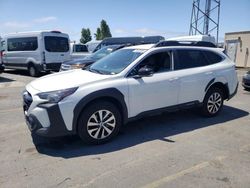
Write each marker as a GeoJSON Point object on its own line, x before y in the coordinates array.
{"type": "Point", "coordinates": [125, 18]}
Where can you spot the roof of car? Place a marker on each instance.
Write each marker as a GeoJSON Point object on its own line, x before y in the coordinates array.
{"type": "Point", "coordinates": [141, 47]}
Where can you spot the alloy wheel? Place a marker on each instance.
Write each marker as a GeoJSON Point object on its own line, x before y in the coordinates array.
{"type": "Point", "coordinates": [101, 124]}
{"type": "Point", "coordinates": [214, 102]}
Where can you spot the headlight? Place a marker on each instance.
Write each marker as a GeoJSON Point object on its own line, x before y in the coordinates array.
{"type": "Point", "coordinates": [56, 96]}
{"type": "Point", "coordinates": [78, 66]}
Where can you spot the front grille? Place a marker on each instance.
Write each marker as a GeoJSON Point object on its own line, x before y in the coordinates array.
{"type": "Point", "coordinates": [27, 100]}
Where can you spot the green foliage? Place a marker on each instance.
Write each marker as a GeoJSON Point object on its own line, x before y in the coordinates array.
{"type": "Point", "coordinates": [98, 34]}
{"type": "Point", "coordinates": [103, 31]}
{"type": "Point", "coordinates": [86, 35]}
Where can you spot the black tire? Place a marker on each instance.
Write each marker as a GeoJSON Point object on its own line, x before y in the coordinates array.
{"type": "Point", "coordinates": [213, 102]}
{"type": "Point", "coordinates": [90, 123]}
{"type": "Point", "coordinates": [33, 71]}
{"type": "Point", "coordinates": [247, 89]}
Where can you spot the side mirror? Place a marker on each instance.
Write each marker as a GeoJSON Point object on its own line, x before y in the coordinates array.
{"type": "Point", "coordinates": [145, 72]}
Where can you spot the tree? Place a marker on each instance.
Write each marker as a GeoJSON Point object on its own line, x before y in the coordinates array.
{"type": "Point", "coordinates": [103, 31]}
{"type": "Point", "coordinates": [86, 35]}
{"type": "Point", "coordinates": [98, 34]}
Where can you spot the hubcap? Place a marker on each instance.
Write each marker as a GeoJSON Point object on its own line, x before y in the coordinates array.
{"type": "Point", "coordinates": [32, 71]}
{"type": "Point", "coordinates": [214, 103]}
{"type": "Point", "coordinates": [101, 124]}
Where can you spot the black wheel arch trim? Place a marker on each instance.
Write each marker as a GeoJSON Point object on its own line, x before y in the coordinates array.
{"type": "Point", "coordinates": [226, 88]}
{"type": "Point", "coordinates": [209, 84]}
{"type": "Point", "coordinates": [111, 93]}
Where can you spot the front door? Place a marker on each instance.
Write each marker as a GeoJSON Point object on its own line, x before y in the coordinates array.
{"type": "Point", "coordinates": [156, 91]}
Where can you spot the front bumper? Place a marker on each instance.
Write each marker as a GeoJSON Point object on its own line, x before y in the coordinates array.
{"type": "Point", "coordinates": [56, 126]}
{"type": "Point", "coordinates": [65, 67]}
{"type": "Point", "coordinates": [246, 83]}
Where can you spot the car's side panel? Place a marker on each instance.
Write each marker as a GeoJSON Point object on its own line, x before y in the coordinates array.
{"type": "Point", "coordinates": [149, 93]}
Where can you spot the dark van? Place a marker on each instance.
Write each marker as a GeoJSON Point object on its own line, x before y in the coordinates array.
{"type": "Point", "coordinates": [129, 40]}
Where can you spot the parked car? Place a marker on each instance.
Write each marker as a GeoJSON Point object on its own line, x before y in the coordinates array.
{"type": "Point", "coordinates": [83, 62]}
{"type": "Point", "coordinates": [246, 81]}
{"type": "Point", "coordinates": [128, 84]}
{"type": "Point", "coordinates": [36, 51]}
{"type": "Point", "coordinates": [92, 45]}
{"type": "Point", "coordinates": [129, 40]}
{"type": "Point", "coordinates": [78, 50]}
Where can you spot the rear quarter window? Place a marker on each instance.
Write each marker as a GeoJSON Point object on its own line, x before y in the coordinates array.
{"type": "Point", "coordinates": [212, 57]}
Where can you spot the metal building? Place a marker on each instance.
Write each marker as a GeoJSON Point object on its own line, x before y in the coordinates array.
{"type": "Point", "coordinates": [237, 45]}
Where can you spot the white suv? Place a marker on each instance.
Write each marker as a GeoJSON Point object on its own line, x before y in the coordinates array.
{"type": "Point", "coordinates": [130, 83]}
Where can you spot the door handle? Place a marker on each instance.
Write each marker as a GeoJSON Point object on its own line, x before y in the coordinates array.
{"type": "Point", "coordinates": [173, 79]}
{"type": "Point", "coordinates": [208, 73]}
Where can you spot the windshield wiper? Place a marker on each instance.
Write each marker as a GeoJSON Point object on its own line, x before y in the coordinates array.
{"type": "Point", "coordinates": [96, 71]}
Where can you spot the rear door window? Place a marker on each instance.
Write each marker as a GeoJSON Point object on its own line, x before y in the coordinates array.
{"type": "Point", "coordinates": [56, 44]}
{"type": "Point", "coordinates": [189, 58]}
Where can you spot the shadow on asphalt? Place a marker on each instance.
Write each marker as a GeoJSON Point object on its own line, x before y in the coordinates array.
{"type": "Point", "coordinates": [4, 80]}
{"type": "Point", "coordinates": [21, 72]}
{"type": "Point", "coordinates": [148, 129]}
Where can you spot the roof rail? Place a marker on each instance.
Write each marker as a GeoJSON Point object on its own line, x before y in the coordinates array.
{"type": "Point", "coordinates": [186, 43]}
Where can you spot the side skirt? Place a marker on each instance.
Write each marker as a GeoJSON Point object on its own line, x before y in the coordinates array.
{"type": "Point", "coordinates": [166, 109]}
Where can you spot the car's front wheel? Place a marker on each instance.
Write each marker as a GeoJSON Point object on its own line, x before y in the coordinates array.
{"type": "Point", "coordinates": [99, 123]}
{"type": "Point", "coordinates": [213, 102]}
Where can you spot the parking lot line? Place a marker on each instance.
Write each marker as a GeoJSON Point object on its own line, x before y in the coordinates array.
{"type": "Point", "coordinates": [177, 175]}
{"type": "Point", "coordinates": [10, 110]}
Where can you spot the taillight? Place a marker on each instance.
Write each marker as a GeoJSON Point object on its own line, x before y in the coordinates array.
{"type": "Point", "coordinates": [1, 54]}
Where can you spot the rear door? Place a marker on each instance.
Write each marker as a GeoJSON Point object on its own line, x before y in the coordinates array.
{"type": "Point", "coordinates": [194, 72]}
{"type": "Point", "coordinates": [56, 48]}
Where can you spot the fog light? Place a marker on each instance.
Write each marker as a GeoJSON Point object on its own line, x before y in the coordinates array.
{"type": "Point", "coordinates": [32, 124]}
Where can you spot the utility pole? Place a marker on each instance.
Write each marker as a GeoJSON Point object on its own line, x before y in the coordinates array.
{"type": "Point", "coordinates": [205, 18]}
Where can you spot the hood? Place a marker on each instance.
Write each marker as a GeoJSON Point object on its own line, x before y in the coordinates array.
{"type": "Point", "coordinates": [80, 61]}
{"type": "Point", "coordinates": [64, 80]}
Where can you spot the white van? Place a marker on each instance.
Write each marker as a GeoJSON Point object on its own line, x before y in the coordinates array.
{"type": "Point", "coordinates": [35, 51]}
{"type": "Point", "coordinates": [78, 50]}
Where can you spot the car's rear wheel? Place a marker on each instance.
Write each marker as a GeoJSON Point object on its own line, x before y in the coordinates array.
{"type": "Point", "coordinates": [33, 71]}
{"type": "Point", "coordinates": [213, 102]}
{"type": "Point", "coordinates": [99, 123]}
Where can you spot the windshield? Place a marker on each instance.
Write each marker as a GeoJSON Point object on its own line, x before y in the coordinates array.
{"type": "Point", "coordinates": [116, 62]}
{"type": "Point", "coordinates": [100, 53]}
{"type": "Point", "coordinates": [80, 48]}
